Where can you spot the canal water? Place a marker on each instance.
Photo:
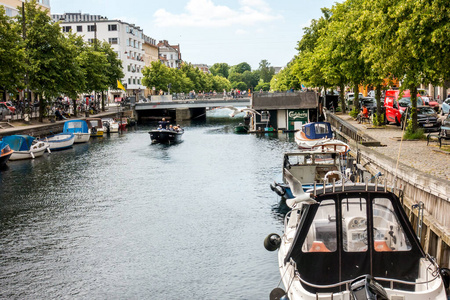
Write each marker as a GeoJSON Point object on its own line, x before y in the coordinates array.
{"type": "Point", "coordinates": [121, 218]}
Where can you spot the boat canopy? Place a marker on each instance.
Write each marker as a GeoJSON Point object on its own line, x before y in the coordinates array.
{"type": "Point", "coordinates": [351, 233]}
{"type": "Point", "coordinates": [97, 123]}
{"type": "Point", "coordinates": [76, 126]}
{"type": "Point", "coordinates": [317, 130]}
{"type": "Point", "coordinates": [19, 142]}
{"type": "Point", "coordinates": [4, 147]}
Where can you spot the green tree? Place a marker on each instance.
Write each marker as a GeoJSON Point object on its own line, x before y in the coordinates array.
{"type": "Point", "coordinates": [251, 79]}
{"type": "Point", "coordinates": [241, 68]}
{"type": "Point", "coordinates": [157, 75]}
{"type": "Point", "coordinates": [42, 45]}
{"type": "Point", "coordinates": [12, 55]}
{"type": "Point", "coordinates": [266, 70]}
{"type": "Point", "coordinates": [235, 77]}
{"type": "Point", "coordinates": [220, 69]}
{"type": "Point", "coordinates": [113, 72]}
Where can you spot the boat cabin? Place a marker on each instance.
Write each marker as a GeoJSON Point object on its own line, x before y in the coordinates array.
{"type": "Point", "coordinates": [310, 167]}
{"type": "Point", "coordinates": [76, 126]}
{"type": "Point", "coordinates": [317, 130]}
{"type": "Point", "coordinates": [361, 230]}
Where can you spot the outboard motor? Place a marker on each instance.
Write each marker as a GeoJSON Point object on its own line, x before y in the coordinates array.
{"type": "Point", "coordinates": [272, 242]}
{"type": "Point", "coordinates": [366, 288]}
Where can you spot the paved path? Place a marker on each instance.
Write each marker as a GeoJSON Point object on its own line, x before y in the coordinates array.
{"type": "Point", "coordinates": [416, 154]}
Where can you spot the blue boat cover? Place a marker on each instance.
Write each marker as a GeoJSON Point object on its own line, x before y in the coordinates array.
{"type": "Point", "coordinates": [76, 126]}
{"type": "Point", "coordinates": [3, 145]}
{"type": "Point", "coordinates": [317, 130]}
{"type": "Point", "coordinates": [19, 142]}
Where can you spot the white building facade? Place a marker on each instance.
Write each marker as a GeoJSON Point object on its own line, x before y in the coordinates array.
{"type": "Point", "coordinates": [11, 6]}
{"type": "Point", "coordinates": [126, 39]}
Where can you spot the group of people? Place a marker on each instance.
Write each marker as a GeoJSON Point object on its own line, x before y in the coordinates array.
{"type": "Point", "coordinates": [164, 125]}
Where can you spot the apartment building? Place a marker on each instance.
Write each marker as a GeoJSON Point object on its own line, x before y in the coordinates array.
{"type": "Point", "coordinates": [169, 55]}
{"type": "Point", "coordinates": [12, 6]}
{"type": "Point", "coordinates": [126, 39]}
{"type": "Point", "coordinates": [151, 53]}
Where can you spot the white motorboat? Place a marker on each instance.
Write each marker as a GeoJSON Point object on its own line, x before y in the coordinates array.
{"type": "Point", "coordinates": [110, 125]}
{"type": "Point", "coordinates": [25, 146]}
{"type": "Point", "coordinates": [80, 130]}
{"type": "Point", "coordinates": [353, 242]}
{"type": "Point", "coordinates": [320, 165]}
{"type": "Point", "coordinates": [313, 134]}
{"type": "Point", "coordinates": [60, 141]}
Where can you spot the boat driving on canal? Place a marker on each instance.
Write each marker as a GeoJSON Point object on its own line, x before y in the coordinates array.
{"type": "Point", "coordinates": [353, 241]}
{"type": "Point", "coordinates": [166, 136]}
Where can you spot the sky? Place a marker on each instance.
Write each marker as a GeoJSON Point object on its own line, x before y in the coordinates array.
{"type": "Point", "coordinates": [214, 31]}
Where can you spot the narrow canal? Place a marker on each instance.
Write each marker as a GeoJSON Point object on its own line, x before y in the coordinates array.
{"type": "Point", "coordinates": [120, 218]}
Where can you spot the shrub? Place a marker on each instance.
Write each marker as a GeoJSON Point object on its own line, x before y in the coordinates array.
{"type": "Point", "coordinates": [413, 135]}
{"type": "Point", "coordinates": [354, 113]}
{"type": "Point", "coordinates": [375, 120]}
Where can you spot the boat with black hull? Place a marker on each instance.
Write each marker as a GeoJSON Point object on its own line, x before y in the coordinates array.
{"type": "Point", "coordinates": [166, 136]}
{"type": "Point", "coordinates": [352, 241]}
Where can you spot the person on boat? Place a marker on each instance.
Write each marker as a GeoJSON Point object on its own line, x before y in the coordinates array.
{"type": "Point", "coordinates": [363, 114]}
{"type": "Point", "coordinates": [171, 127]}
{"type": "Point", "coordinates": [159, 127]}
{"type": "Point", "coordinates": [164, 123]}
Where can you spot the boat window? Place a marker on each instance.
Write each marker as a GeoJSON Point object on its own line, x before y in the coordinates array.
{"type": "Point", "coordinates": [388, 233]}
{"type": "Point", "coordinates": [307, 130]}
{"type": "Point", "coordinates": [321, 128]}
{"type": "Point", "coordinates": [354, 225]}
{"type": "Point", "coordinates": [74, 125]}
{"type": "Point", "coordinates": [325, 158]}
{"type": "Point", "coordinates": [322, 232]}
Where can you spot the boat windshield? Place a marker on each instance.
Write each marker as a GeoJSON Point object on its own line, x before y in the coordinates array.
{"type": "Point", "coordinates": [312, 158]}
{"type": "Point", "coordinates": [321, 128]}
{"type": "Point", "coordinates": [74, 125]}
{"type": "Point", "coordinates": [388, 234]}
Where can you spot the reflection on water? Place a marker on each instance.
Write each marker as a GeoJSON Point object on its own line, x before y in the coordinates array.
{"type": "Point", "coordinates": [120, 217]}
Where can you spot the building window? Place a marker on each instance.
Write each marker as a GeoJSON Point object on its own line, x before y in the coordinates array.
{"type": "Point", "coordinates": [67, 28]}
{"type": "Point", "coordinates": [91, 27]}
{"type": "Point", "coordinates": [171, 64]}
{"type": "Point", "coordinates": [9, 12]}
{"type": "Point", "coordinates": [134, 80]}
{"type": "Point", "coordinates": [79, 28]}
{"type": "Point", "coordinates": [91, 41]}
{"type": "Point", "coordinates": [127, 29]}
{"type": "Point", "coordinates": [113, 41]}
{"type": "Point", "coordinates": [129, 68]}
{"type": "Point", "coordinates": [171, 56]}
{"type": "Point", "coordinates": [138, 81]}
{"type": "Point", "coordinates": [129, 80]}
{"type": "Point", "coordinates": [112, 27]}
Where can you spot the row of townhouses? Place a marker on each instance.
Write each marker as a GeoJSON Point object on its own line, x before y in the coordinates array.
{"type": "Point", "coordinates": [133, 47]}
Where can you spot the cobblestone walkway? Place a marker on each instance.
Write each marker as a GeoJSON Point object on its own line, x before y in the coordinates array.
{"type": "Point", "coordinates": [415, 154]}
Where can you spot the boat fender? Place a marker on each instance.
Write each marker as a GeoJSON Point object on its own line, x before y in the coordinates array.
{"type": "Point", "coordinates": [272, 242]}
{"type": "Point", "coordinates": [278, 294]}
{"type": "Point", "coordinates": [445, 274]}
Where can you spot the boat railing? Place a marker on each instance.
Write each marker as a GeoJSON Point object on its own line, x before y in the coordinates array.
{"type": "Point", "coordinates": [391, 281]}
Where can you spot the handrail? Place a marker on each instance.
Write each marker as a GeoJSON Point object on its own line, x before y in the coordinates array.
{"type": "Point", "coordinates": [346, 282]}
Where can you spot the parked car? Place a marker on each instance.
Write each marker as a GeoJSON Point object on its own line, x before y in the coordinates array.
{"type": "Point", "coordinates": [445, 128]}
{"type": "Point", "coordinates": [349, 98]}
{"type": "Point", "coordinates": [371, 104]}
{"type": "Point", "coordinates": [395, 106]}
{"type": "Point", "coordinates": [4, 111]}
{"type": "Point", "coordinates": [11, 108]}
{"type": "Point", "coordinates": [427, 118]}
{"type": "Point", "coordinates": [445, 106]}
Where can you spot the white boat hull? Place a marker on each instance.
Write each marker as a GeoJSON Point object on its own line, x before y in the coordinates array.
{"type": "Point", "coordinates": [61, 141]}
{"type": "Point", "coordinates": [37, 150]}
{"type": "Point", "coordinates": [82, 137]}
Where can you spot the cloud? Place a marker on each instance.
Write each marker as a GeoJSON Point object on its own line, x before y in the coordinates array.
{"type": "Point", "coordinates": [205, 13]}
{"type": "Point", "coordinates": [241, 32]}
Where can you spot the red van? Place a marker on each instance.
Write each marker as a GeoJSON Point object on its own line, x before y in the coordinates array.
{"type": "Point", "coordinates": [395, 106]}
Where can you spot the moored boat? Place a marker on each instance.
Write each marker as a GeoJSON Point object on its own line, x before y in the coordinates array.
{"type": "Point", "coordinates": [5, 153]}
{"type": "Point", "coordinates": [241, 128]}
{"type": "Point", "coordinates": [311, 168]}
{"type": "Point", "coordinates": [353, 241]}
{"type": "Point", "coordinates": [80, 130]}
{"type": "Point", "coordinates": [25, 146]}
{"type": "Point", "coordinates": [313, 134]}
{"type": "Point", "coordinates": [60, 141]}
{"type": "Point", "coordinates": [110, 125]}
{"type": "Point", "coordinates": [95, 126]}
